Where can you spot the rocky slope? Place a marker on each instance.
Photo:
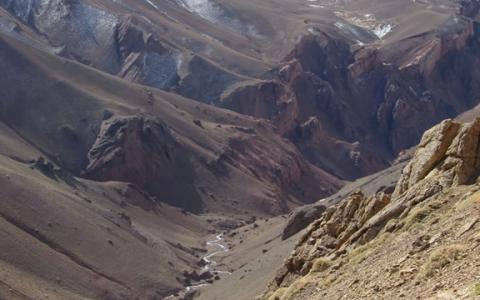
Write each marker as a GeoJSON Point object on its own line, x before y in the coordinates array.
{"type": "Point", "coordinates": [69, 238]}
{"type": "Point", "coordinates": [370, 100]}
{"type": "Point", "coordinates": [162, 45]}
{"type": "Point", "coordinates": [363, 79]}
{"type": "Point", "coordinates": [130, 131]}
{"type": "Point", "coordinates": [99, 176]}
{"type": "Point", "coordinates": [421, 240]}
{"type": "Point", "coordinates": [159, 141]}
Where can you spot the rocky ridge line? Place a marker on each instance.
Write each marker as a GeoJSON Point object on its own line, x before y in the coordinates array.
{"type": "Point", "coordinates": [447, 157]}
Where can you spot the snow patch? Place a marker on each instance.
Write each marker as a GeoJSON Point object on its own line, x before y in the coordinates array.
{"type": "Point", "coordinates": [214, 13]}
{"type": "Point", "coordinates": [152, 4]}
{"type": "Point", "coordinates": [382, 30]}
{"type": "Point", "coordinates": [366, 21]}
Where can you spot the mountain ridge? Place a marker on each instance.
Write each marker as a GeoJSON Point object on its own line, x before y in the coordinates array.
{"type": "Point", "coordinates": [436, 188]}
{"type": "Point", "coordinates": [135, 133]}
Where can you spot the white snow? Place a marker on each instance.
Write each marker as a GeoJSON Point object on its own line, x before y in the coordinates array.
{"type": "Point", "coordinates": [382, 30]}
{"type": "Point", "coordinates": [152, 4]}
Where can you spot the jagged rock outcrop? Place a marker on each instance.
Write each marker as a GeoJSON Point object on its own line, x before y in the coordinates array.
{"type": "Point", "coordinates": [268, 99]}
{"type": "Point", "coordinates": [318, 118]}
{"type": "Point", "coordinates": [348, 160]}
{"type": "Point", "coordinates": [330, 233]}
{"type": "Point", "coordinates": [447, 153]}
{"type": "Point", "coordinates": [143, 150]}
{"type": "Point", "coordinates": [369, 101]}
{"type": "Point", "coordinates": [140, 150]}
{"type": "Point", "coordinates": [447, 156]}
{"type": "Point", "coordinates": [383, 81]}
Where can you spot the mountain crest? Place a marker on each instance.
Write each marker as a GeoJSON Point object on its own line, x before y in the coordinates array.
{"type": "Point", "coordinates": [445, 162]}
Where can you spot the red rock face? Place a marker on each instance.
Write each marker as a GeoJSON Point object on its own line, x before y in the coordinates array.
{"type": "Point", "coordinates": [141, 150]}
{"type": "Point", "coordinates": [370, 93]}
{"type": "Point", "coordinates": [371, 102]}
{"type": "Point", "coordinates": [265, 99]}
{"type": "Point", "coordinates": [350, 106]}
{"type": "Point", "coordinates": [144, 151]}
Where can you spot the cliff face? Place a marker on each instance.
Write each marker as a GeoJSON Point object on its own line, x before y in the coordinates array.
{"type": "Point", "coordinates": [373, 79]}
{"type": "Point", "coordinates": [119, 119]}
{"type": "Point", "coordinates": [433, 212]}
{"type": "Point", "coordinates": [183, 152]}
{"type": "Point", "coordinates": [269, 99]}
{"type": "Point", "coordinates": [374, 100]}
{"type": "Point", "coordinates": [145, 151]}
{"type": "Point", "coordinates": [140, 150]}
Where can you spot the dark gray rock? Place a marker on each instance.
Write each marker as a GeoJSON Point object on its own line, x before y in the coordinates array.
{"type": "Point", "coordinates": [301, 218]}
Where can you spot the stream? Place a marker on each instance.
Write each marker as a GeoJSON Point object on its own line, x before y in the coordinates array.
{"type": "Point", "coordinates": [216, 247]}
{"type": "Point", "coordinates": [210, 264]}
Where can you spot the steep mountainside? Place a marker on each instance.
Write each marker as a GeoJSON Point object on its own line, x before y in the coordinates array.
{"type": "Point", "coordinates": [351, 101]}
{"type": "Point", "coordinates": [257, 249]}
{"type": "Point", "coordinates": [351, 83]}
{"type": "Point", "coordinates": [146, 143]}
{"type": "Point", "coordinates": [184, 153]}
{"type": "Point", "coordinates": [67, 238]}
{"type": "Point", "coordinates": [420, 241]}
{"type": "Point", "coordinates": [90, 163]}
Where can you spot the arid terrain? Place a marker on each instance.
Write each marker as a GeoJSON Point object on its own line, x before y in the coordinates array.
{"type": "Point", "coordinates": [227, 149]}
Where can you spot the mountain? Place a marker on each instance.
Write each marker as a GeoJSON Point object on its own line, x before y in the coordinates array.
{"type": "Point", "coordinates": [91, 163]}
{"type": "Point", "coordinates": [351, 83]}
{"type": "Point", "coordinates": [421, 240]}
{"type": "Point", "coordinates": [68, 238]}
{"type": "Point", "coordinates": [177, 149]}
{"type": "Point", "coordinates": [102, 128]}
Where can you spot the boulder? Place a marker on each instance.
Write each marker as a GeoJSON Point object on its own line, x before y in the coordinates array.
{"type": "Point", "coordinates": [447, 153]}
{"type": "Point", "coordinates": [301, 218]}
{"type": "Point", "coordinates": [329, 233]}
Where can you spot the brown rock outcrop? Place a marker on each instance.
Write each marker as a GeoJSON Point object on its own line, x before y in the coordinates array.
{"type": "Point", "coordinates": [264, 99]}
{"type": "Point", "coordinates": [366, 103]}
{"type": "Point", "coordinates": [372, 99]}
{"type": "Point", "coordinates": [447, 156]}
{"type": "Point", "coordinates": [329, 233]}
{"type": "Point", "coordinates": [143, 151]}
{"type": "Point", "coordinates": [448, 153]}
